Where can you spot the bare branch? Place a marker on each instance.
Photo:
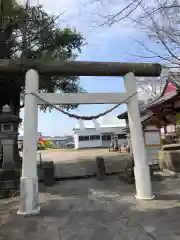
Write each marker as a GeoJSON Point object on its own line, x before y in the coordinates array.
{"type": "Point", "coordinates": [157, 31]}
{"type": "Point", "coordinates": [113, 18]}
{"type": "Point", "coordinates": [154, 53]}
{"type": "Point", "coordinates": [160, 20]}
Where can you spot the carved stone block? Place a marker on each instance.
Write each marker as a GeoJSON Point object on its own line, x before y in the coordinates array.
{"type": "Point", "coordinates": [169, 160]}
{"type": "Point", "coordinates": [100, 168]}
{"type": "Point", "coordinates": [49, 179]}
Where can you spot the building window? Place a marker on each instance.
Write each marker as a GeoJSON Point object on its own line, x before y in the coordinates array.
{"type": "Point", "coordinates": [94, 137]}
{"type": "Point", "coordinates": [83, 138]}
{"type": "Point", "coordinates": [122, 136]}
{"type": "Point", "coordinates": [106, 137]}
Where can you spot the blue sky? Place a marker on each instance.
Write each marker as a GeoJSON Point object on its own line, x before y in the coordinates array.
{"type": "Point", "coordinates": [104, 44]}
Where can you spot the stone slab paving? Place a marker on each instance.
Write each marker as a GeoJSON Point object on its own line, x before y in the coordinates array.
{"type": "Point", "coordinates": [89, 209]}
{"type": "Point", "coordinates": [72, 163]}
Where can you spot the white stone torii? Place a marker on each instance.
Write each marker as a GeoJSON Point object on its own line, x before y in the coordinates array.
{"type": "Point", "coordinates": [29, 179]}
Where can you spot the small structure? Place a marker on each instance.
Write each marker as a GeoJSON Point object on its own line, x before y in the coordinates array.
{"type": "Point", "coordinates": [8, 137]}
{"type": "Point", "coordinates": [151, 132]}
{"type": "Point", "coordinates": [100, 134]}
{"type": "Point", "coordinates": [63, 141]}
{"type": "Point", "coordinates": [152, 143]}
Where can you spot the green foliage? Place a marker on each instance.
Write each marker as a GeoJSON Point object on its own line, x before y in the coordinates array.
{"type": "Point", "coordinates": [9, 10]}
{"type": "Point", "coordinates": [49, 144]}
{"type": "Point", "coordinates": [178, 118]}
{"type": "Point", "coordinates": [42, 147]}
{"type": "Point", "coordinates": [34, 34]}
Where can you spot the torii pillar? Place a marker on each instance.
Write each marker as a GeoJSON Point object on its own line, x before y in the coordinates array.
{"type": "Point", "coordinates": [29, 179]}
{"type": "Point", "coordinates": [141, 169]}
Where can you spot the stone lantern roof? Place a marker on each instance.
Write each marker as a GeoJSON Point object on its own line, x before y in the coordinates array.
{"type": "Point", "coordinates": [7, 116]}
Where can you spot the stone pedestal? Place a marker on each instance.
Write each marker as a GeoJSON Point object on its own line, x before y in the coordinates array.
{"type": "Point", "coordinates": [8, 154]}
{"type": "Point", "coordinates": [8, 181]}
{"type": "Point", "coordinates": [49, 179]}
{"type": "Point", "coordinates": [100, 168]}
{"type": "Point", "coordinates": [28, 203]}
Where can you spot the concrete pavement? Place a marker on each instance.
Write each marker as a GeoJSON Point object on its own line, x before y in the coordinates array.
{"type": "Point", "coordinates": [89, 209]}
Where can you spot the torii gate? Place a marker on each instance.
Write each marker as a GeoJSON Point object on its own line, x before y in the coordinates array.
{"type": "Point", "coordinates": [32, 69]}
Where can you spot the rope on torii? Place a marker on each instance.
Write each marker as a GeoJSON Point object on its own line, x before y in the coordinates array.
{"type": "Point", "coordinates": [87, 118]}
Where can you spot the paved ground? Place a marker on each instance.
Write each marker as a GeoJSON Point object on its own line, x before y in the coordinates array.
{"type": "Point", "coordinates": [72, 155]}
{"type": "Point", "coordinates": [71, 162]}
{"type": "Point", "coordinates": [88, 209]}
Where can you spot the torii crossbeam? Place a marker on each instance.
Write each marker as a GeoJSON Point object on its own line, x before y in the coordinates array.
{"type": "Point", "coordinates": [79, 68]}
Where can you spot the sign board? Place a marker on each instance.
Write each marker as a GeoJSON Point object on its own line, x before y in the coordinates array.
{"type": "Point", "coordinates": [152, 138]}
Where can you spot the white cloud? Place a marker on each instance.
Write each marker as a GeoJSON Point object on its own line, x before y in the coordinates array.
{"type": "Point", "coordinates": [85, 17]}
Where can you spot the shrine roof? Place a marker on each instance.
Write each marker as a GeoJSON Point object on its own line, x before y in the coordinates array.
{"type": "Point", "coordinates": [171, 85]}
{"type": "Point", "coordinates": [142, 118]}
{"type": "Point", "coordinates": [175, 81]}
{"type": "Point", "coordinates": [170, 90]}
{"type": "Point", "coordinates": [162, 99]}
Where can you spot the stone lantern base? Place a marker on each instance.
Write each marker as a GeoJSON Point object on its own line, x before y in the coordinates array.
{"type": "Point", "coordinates": [9, 182]}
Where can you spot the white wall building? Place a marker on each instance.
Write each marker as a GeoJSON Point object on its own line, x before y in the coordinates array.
{"type": "Point", "coordinates": [99, 133]}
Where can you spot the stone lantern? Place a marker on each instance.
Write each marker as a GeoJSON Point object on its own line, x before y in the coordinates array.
{"type": "Point", "coordinates": [8, 136]}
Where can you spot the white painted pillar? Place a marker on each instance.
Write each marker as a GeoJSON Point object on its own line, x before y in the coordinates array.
{"type": "Point", "coordinates": [141, 169]}
{"type": "Point", "coordinates": [29, 180]}
{"type": "Point", "coordinates": [81, 124]}
{"type": "Point", "coordinates": [96, 124]}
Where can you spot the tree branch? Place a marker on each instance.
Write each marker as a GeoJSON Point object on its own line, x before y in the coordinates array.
{"type": "Point", "coordinates": [112, 19]}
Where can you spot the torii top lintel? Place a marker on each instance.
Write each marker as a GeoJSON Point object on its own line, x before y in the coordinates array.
{"type": "Point", "coordinates": [79, 68]}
